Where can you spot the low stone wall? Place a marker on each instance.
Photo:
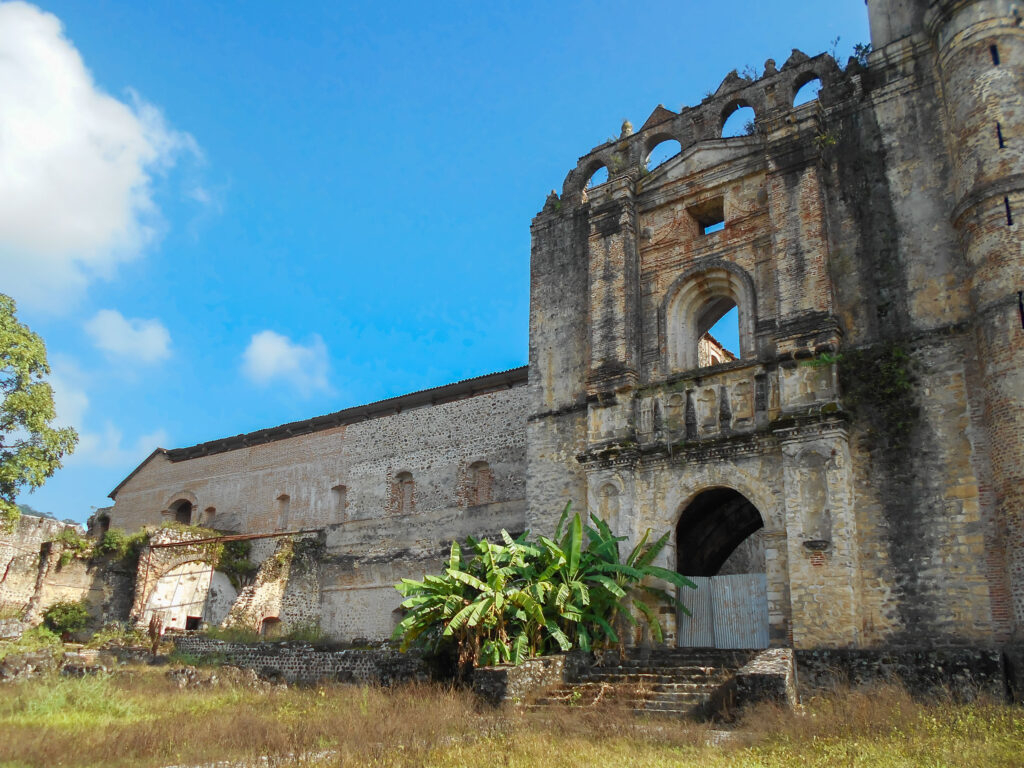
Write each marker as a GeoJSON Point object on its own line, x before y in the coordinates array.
{"type": "Point", "coordinates": [304, 663]}
{"type": "Point", "coordinates": [769, 676]}
{"type": "Point", "coordinates": [506, 683]}
{"type": "Point", "coordinates": [11, 629]}
{"type": "Point", "coordinates": [963, 672]}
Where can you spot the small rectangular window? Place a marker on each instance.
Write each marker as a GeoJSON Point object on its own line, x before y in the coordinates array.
{"type": "Point", "coordinates": [709, 215]}
{"type": "Point", "coordinates": [1009, 213]}
{"type": "Point", "coordinates": [999, 136]}
{"type": "Point", "coordinates": [994, 50]}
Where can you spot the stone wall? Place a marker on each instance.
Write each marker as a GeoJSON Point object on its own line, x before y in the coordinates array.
{"type": "Point", "coordinates": [963, 672]}
{"type": "Point", "coordinates": [461, 450]}
{"type": "Point", "coordinates": [32, 577]}
{"type": "Point", "coordinates": [20, 558]}
{"type": "Point", "coordinates": [516, 684]}
{"type": "Point", "coordinates": [337, 475]}
{"type": "Point", "coordinates": [306, 664]}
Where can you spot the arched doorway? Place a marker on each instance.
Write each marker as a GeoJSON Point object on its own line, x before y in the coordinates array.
{"type": "Point", "coordinates": [183, 512]}
{"type": "Point", "coordinates": [719, 545]}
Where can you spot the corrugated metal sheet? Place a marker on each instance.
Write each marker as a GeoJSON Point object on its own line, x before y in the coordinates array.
{"type": "Point", "coordinates": [740, 605]}
{"type": "Point", "coordinates": [698, 629]}
{"type": "Point", "coordinates": [727, 612]}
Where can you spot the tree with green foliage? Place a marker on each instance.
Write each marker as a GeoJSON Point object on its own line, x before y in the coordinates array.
{"type": "Point", "coordinates": [511, 601]}
{"type": "Point", "coordinates": [30, 448]}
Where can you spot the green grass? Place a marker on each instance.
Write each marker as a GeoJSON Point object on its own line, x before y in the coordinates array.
{"type": "Point", "coordinates": [140, 718]}
{"type": "Point", "coordinates": [34, 639]}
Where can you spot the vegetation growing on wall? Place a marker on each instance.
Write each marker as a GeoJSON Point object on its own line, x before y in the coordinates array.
{"type": "Point", "coordinates": [119, 545]}
{"type": "Point", "coordinates": [878, 384]}
{"type": "Point", "coordinates": [503, 603]}
{"type": "Point", "coordinates": [73, 543]}
{"type": "Point", "coordinates": [234, 563]}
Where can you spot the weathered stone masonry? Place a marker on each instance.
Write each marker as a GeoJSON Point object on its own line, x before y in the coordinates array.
{"type": "Point", "coordinates": [868, 239]}
{"type": "Point", "coordinates": [859, 466]}
{"type": "Point", "coordinates": [461, 449]}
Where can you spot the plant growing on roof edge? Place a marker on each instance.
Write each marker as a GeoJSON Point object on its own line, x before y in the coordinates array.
{"type": "Point", "coordinates": [511, 601]}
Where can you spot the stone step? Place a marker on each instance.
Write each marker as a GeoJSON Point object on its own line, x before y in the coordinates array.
{"type": "Point", "coordinates": [668, 665]}
{"type": "Point", "coordinates": [651, 680]}
{"type": "Point", "coordinates": [624, 695]}
{"type": "Point", "coordinates": [661, 682]}
{"type": "Point", "coordinates": [677, 672]}
{"type": "Point", "coordinates": [672, 663]}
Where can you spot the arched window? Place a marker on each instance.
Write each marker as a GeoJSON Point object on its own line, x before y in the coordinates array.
{"type": "Point", "coordinates": [404, 495]}
{"type": "Point", "coordinates": [738, 121]}
{"type": "Point", "coordinates": [807, 92]}
{"type": "Point", "coordinates": [183, 512]}
{"type": "Point", "coordinates": [662, 152]}
{"type": "Point", "coordinates": [721, 342]}
{"type": "Point", "coordinates": [598, 177]}
{"type": "Point", "coordinates": [709, 318]}
{"type": "Point", "coordinates": [284, 503]}
{"type": "Point", "coordinates": [480, 477]}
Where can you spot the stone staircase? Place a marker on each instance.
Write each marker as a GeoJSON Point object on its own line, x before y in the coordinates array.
{"type": "Point", "coordinates": [674, 682]}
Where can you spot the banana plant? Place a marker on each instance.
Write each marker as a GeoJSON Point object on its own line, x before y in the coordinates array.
{"type": "Point", "coordinates": [516, 599]}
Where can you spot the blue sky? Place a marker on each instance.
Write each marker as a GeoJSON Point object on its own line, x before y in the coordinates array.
{"type": "Point", "coordinates": [235, 215]}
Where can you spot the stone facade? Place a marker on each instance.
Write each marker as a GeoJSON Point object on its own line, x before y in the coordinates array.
{"type": "Point", "coordinates": [863, 451]}
{"type": "Point", "coordinates": [32, 577]}
{"type": "Point", "coordinates": [869, 246]}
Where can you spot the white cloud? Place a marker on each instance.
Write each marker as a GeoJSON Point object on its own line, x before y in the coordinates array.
{"type": "Point", "coordinates": [145, 340]}
{"type": "Point", "coordinates": [104, 449]}
{"type": "Point", "coordinates": [98, 449]}
{"type": "Point", "coordinates": [68, 395]}
{"type": "Point", "coordinates": [273, 357]}
{"type": "Point", "coordinates": [76, 195]}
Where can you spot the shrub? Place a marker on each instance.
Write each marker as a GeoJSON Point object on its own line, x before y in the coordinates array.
{"type": "Point", "coordinates": [67, 616]}
{"type": "Point", "coordinates": [73, 543]}
{"type": "Point", "coordinates": [119, 545]}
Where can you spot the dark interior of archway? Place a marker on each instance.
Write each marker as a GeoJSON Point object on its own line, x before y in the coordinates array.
{"type": "Point", "coordinates": [710, 528]}
{"type": "Point", "coordinates": [183, 513]}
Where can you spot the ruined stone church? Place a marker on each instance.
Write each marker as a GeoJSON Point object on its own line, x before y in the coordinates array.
{"type": "Point", "coordinates": [852, 477]}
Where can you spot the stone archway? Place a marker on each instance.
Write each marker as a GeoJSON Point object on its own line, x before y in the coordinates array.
{"type": "Point", "coordinates": [720, 546]}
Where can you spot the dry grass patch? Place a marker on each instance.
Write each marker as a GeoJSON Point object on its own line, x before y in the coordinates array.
{"type": "Point", "coordinates": [143, 719]}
